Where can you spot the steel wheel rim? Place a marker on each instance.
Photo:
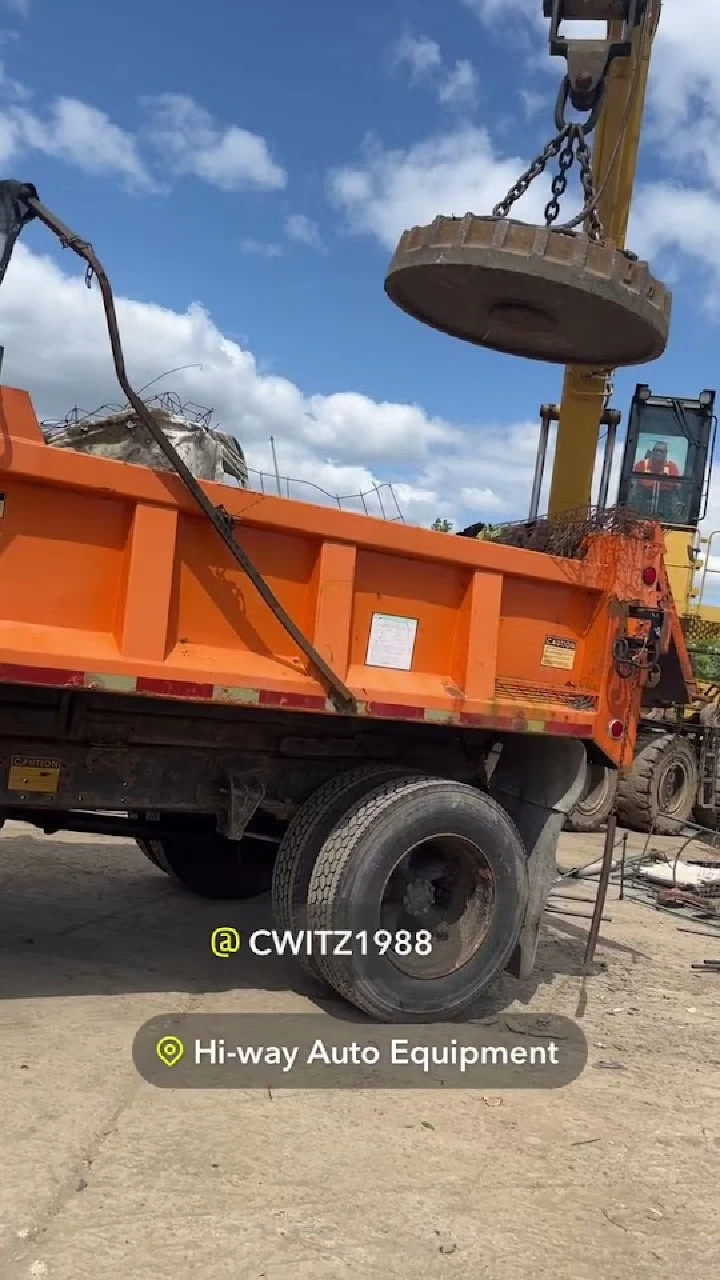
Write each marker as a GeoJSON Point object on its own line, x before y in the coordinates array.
{"type": "Point", "coordinates": [443, 884]}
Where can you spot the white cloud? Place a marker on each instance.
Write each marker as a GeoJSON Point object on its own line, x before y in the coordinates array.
{"type": "Point", "coordinates": [262, 248]}
{"type": "Point", "coordinates": [490, 10]}
{"type": "Point", "coordinates": [343, 443]}
{"type": "Point", "coordinates": [452, 173]}
{"type": "Point", "coordinates": [455, 86]}
{"type": "Point", "coordinates": [304, 230]}
{"type": "Point", "coordinates": [684, 78]}
{"type": "Point", "coordinates": [667, 215]}
{"type": "Point", "coordinates": [77, 133]}
{"type": "Point", "coordinates": [459, 87]}
{"type": "Point", "coordinates": [191, 142]}
{"type": "Point", "coordinates": [56, 346]}
{"type": "Point", "coordinates": [10, 89]}
{"type": "Point", "coordinates": [419, 53]}
{"type": "Point", "coordinates": [19, 7]}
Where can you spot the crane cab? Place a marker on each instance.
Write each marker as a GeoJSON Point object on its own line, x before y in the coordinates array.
{"type": "Point", "coordinates": [665, 474]}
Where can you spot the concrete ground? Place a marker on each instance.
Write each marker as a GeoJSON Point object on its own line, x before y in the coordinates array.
{"type": "Point", "coordinates": [103, 1175]}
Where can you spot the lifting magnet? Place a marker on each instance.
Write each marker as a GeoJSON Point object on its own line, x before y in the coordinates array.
{"type": "Point", "coordinates": [531, 291]}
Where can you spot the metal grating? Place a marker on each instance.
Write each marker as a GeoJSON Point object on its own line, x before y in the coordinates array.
{"type": "Point", "coordinates": [702, 636]}
{"type": "Point", "coordinates": [520, 692]}
{"type": "Point", "coordinates": [568, 535]}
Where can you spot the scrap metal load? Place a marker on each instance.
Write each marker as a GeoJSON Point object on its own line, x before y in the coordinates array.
{"type": "Point", "coordinates": [209, 454]}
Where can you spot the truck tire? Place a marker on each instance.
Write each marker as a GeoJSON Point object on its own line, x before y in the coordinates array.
{"type": "Point", "coordinates": [304, 838]}
{"type": "Point", "coordinates": [592, 811]}
{"type": "Point", "coordinates": [424, 853]}
{"type": "Point", "coordinates": [210, 865]}
{"type": "Point", "coordinates": [151, 850]}
{"type": "Point", "coordinates": [660, 791]}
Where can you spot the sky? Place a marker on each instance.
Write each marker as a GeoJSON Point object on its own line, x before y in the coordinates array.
{"type": "Point", "coordinates": [244, 172]}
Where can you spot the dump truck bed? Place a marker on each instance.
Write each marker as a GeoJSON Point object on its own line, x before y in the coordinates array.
{"type": "Point", "coordinates": [111, 579]}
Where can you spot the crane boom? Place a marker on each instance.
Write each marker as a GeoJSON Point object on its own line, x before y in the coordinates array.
{"type": "Point", "coordinates": [615, 153]}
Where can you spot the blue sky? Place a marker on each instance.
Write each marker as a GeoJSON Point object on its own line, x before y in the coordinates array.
{"type": "Point", "coordinates": [260, 160]}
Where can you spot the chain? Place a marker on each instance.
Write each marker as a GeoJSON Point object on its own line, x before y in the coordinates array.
{"type": "Point", "coordinates": [592, 217]}
{"type": "Point", "coordinates": [538, 166]}
{"type": "Point", "coordinates": [568, 145]}
{"type": "Point", "coordinates": [566, 160]}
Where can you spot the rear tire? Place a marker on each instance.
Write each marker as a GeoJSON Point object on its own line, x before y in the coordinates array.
{"type": "Point", "coordinates": [211, 865]}
{"type": "Point", "coordinates": [150, 849]}
{"type": "Point", "coordinates": [660, 791]}
{"type": "Point", "coordinates": [593, 810]}
{"type": "Point", "coordinates": [466, 882]}
{"type": "Point", "coordinates": [304, 838]}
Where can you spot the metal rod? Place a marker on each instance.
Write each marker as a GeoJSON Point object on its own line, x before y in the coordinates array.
{"type": "Point", "coordinates": [597, 915]}
{"type": "Point", "coordinates": [576, 915]}
{"type": "Point", "coordinates": [275, 464]}
{"type": "Point", "coordinates": [540, 460]}
{"type": "Point", "coordinates": [610, 438]}
{"type": "Point", "coordinates": [706, 562]}
{"type": "Point", "coordinates": [570, 897]}
{"type": "Point", "coordinates": [622, 866]}
{"type": "Point", "coordinates": [221, 522]}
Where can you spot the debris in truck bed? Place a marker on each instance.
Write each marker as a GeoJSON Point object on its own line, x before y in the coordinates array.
{"type": "Point", "coordinates": [566, 535]}
{"type": "Point", "coordinates": [117, 433]}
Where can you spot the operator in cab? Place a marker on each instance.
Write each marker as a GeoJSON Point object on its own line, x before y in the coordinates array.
{"type": "Point", "coordinates": [656, 483]}
{"type": "Point", "coordinates": [656, 463]}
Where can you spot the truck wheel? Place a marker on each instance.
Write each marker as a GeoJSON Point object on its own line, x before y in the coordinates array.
{"type": "Point", "coordinates": [415, 854]}
{"type": "Point", "coordinates": [212, 866]}
{"type": "Point", "coordinates": [305, 836]}
{"type": "Point", "coordinates": [592, 811]}
{"type": "Point", "coordinates": [660, 790]}
{"type": "Point", "coordinates": [151, 850]}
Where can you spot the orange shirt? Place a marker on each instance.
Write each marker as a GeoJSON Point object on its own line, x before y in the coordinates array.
{"type": "Point", "coordinates": [660, 477]}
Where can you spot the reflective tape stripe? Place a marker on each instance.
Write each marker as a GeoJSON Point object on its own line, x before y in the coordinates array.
{"type": "Point", "coordinates": [520, 720]}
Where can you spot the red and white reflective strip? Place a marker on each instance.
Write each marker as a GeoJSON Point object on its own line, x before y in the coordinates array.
{"type": "Point", "coordinates": [508, 720]}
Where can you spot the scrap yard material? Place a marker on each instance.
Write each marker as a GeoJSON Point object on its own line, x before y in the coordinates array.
{"type": "Point", "coordinates": [209, 454]}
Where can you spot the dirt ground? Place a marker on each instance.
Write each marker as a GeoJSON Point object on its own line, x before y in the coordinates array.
{"type": "Point", "coordinates": [103, 1175]}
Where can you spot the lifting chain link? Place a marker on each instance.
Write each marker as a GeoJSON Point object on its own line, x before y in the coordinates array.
{"type": "Point", "coordinates": [590, 213]}
{"type": "Point", "coordinates": [533, 171]}
{"type": "Point", "coordinates": [568, 145]}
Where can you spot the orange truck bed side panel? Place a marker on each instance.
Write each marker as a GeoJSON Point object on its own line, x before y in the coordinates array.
{"type": "Point", "coordinates": [110, 578]}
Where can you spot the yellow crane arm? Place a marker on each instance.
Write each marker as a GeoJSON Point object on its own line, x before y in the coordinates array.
{"type": "Point", "coordinates": [614, 158]}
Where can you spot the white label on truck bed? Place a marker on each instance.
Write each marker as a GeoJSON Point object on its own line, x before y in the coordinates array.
{"type": "Point", "coordinates": [392, 641]}
{"type": "Point", "coordinates": [558, 652]}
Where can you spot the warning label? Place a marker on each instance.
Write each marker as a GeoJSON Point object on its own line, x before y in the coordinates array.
{"type": "Point", "coordinates": [559, 653]}
{"type": "Point", "coordinates": [34, 773]}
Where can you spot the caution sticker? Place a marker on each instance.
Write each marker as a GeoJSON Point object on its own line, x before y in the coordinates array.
{"type": "Point", "coordinates": [559, 653]}
{"type": "Point", "coordinates": [34, 773]}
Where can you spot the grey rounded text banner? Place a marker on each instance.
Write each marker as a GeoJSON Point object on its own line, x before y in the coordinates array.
{"type": "Point", "coordinates": [314, 1051]}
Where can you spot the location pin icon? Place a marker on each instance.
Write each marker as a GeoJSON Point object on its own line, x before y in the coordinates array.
{"type": "Point", "coordinates": [170, 1050]}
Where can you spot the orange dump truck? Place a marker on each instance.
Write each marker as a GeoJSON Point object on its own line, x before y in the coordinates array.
{"type": "Point", "coordinates": [386, 726]}
{"type": "Point", "coordinates": [143, 675]}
